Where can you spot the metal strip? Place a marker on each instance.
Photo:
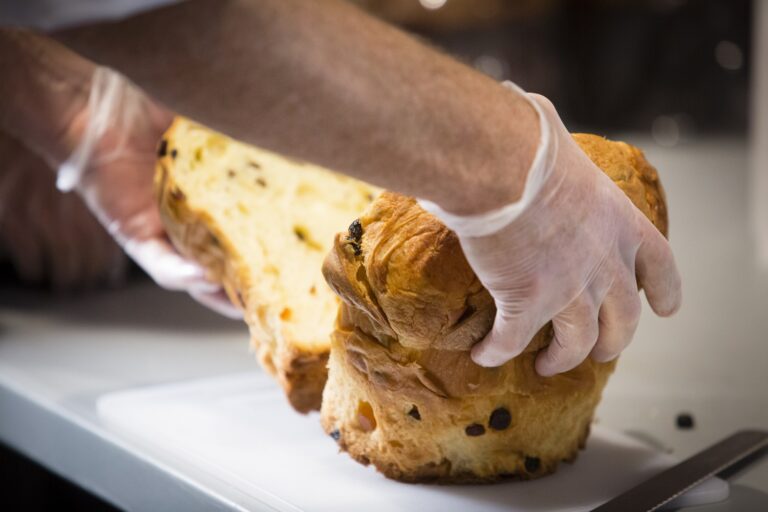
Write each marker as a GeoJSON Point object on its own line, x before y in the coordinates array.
{"type": "Point", "coordinates": [668, 485]}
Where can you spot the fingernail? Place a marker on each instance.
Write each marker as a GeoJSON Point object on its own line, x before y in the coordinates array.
{"type": "Point", "coordinates": [544, 369]}
{"type": "Point", "coordinates": [486, 356]}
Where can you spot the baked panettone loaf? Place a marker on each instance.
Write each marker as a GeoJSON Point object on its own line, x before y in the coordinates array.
{"type": "Point", "coordinates": [261, 225]}
{"type": "Point", "coordinates": [402, 391]}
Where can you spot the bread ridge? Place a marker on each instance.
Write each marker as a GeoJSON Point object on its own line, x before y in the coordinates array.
{"type": "Point", "coordinates": [407, 291]}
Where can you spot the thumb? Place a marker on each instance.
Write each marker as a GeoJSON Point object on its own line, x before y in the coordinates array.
{"type": "Point", "coordinates": [166, 267]}
{"type": "Point", "coordinates": [507, 338]}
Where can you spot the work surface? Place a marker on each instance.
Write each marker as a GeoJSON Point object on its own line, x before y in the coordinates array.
{"type": "Point", "coordinates": [57, 356]}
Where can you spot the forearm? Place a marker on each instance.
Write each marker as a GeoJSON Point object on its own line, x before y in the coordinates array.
{"type": "Point", "coordinates": [324, 82]}
{"type": "Point", "coordinates": [44, 85]}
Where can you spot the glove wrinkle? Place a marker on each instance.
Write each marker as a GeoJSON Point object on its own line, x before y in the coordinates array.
{"type": "Point", "coordinates": [570, 251]}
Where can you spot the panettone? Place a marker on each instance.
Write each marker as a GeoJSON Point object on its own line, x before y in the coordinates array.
{"type": "Point", "coordinates": [261, 225]}
{"type": "Point", "coordinates": [402, 392]}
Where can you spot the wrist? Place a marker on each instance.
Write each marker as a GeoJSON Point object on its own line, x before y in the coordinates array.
{"type": "Point", "coordinates": [44, 87]}
{"type": "Point", "coordinates": [496, 173]}
{"type": "Point", "coordinates": [515, 188]}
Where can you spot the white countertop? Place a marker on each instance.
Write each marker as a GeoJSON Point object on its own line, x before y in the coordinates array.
{"type": "Point", "coordinates": [57, 355]}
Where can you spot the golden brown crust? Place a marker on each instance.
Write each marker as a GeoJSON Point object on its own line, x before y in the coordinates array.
{"type": "Point", "coordinates": [403, 393]}
{"type": "Point", "coordinates": [301, 372]}
{"type": "Point", "coordinates": [627, 167]}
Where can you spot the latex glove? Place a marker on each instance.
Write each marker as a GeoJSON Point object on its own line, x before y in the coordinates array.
{"type": "Point", "coordinates": [112, 168]}
{"type": "Point", "coordinates": [572, 250]}
{"type": "Point", "coordinates": [50, 236]}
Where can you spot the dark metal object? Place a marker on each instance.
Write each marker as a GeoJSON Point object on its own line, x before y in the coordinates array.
{"type": "Point", "coordinates": [668, 485]}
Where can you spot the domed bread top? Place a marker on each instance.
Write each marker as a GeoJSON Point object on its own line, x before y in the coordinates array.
{"type": "Point", "coordinates": [403, 392]}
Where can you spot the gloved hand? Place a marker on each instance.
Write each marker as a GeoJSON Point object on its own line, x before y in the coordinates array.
{"type": "Point", "coordinates": [112, 167]}
{"type": "Point", "coordinates": [50, 236]}
{"type": "Point", "coordinates": [572, 250]}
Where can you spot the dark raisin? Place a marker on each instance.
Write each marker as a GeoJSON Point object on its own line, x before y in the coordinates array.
{"type": "Point", "coordinates": [177, 194]}
{"type": "Point", "coordinates": [335, 435]}
{"type": "Point", "coordinates": [532, 464]}
{"type": "Point", "coordinates": [231, 173]}
{"type": "Point", "coordinates": [174, 153]}
{"type": "Point", "coordinates": [475, 429]}
{"type": "Point", "coordinates": [261, 181]}
{"type": "Point", "coordinates": [162, 149]}
{"type": "Point", "coordinates": [355, 231]}
{"type": "Point", "coordinates": [414, 413]}
{"type": "Point", "coordinates": [356, 248]}
{"type": "Point", "coordinates": [500, 419]}
{"type": "Point", "coordinates": [685, 421]}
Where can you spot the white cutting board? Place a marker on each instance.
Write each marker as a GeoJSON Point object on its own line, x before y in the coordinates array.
{"type": "Point", "coordinates": [240, 430]}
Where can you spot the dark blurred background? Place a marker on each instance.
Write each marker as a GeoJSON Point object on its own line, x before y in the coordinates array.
{"type": "Point", "coordinates": [671, 68]}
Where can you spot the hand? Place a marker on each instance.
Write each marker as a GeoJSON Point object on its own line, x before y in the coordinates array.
{"type": "Point", "coordinates": [50, 236]}
{"type": "Point", "coordinates": [112, 167]}
{"type": "Point", "coordinates": [572, 250]}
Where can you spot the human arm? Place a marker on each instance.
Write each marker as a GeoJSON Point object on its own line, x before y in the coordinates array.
{"type": "Point", "coordinates": [324, 82]}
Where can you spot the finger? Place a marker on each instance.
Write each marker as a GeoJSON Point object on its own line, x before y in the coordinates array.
{"type": "Point", "coordinates": [576, 331]}
{"type": "Point", "coordinates": [168, 268]}
{"type": "Point", "coordinates": [508, 338]}
{"type": "Point", "coordinates": [618, 319]}
{"type": "Point", "coordinates": [218, 302]}
{"type": "Point", "coordinates": [657, 272]}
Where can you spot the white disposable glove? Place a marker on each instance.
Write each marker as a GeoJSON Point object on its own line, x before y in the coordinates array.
{"type": "Point", "coordinates": [572, 250]}
{"type": "Point", "coordinates": [112, 167]}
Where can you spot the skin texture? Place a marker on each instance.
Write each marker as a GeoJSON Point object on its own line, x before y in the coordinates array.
{"type": "Point", "coordinates": [372, 102]}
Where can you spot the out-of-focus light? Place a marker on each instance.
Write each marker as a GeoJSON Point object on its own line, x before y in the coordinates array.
{"type": "Point", "coordinates": [729, 55]}
{"type": "Point", "coordinates": [665, 130]}
{"type": "Point", "coordinates": [666, 5]}
{"type": "Point", "coordinates": [432, 4]}
{"type": "Point", "coordinates": [492, 66]}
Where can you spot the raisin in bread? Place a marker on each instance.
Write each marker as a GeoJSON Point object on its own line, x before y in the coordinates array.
{"type": "Point", "coordinates": [402, 391]}
{"type": "Point", "coordinates": [261, 225]}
